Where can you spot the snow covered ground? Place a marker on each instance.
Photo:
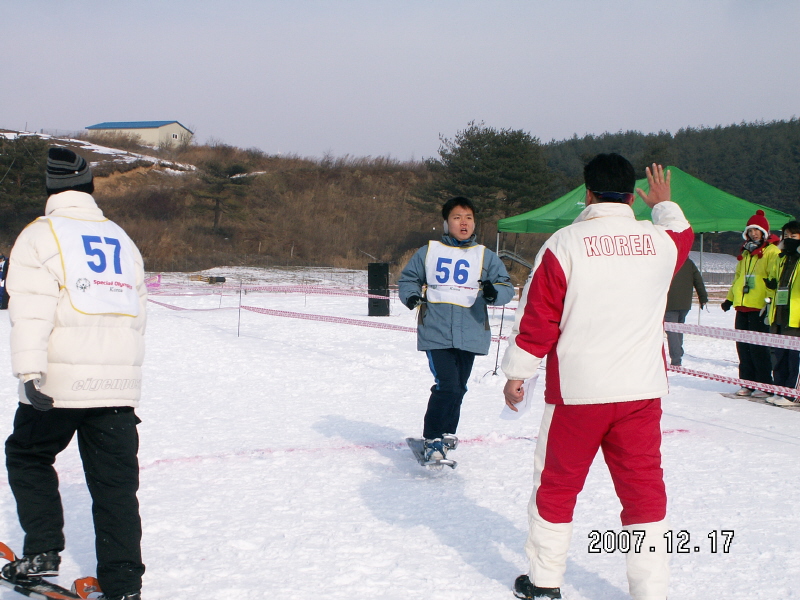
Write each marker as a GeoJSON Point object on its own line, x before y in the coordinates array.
{"type": "Point", "coordinates": [273, 466]}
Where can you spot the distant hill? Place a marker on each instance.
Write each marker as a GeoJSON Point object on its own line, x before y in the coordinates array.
{"type": "Point", "coordinates": [759, 162]}
{"type": "Point", "coordinates": [196, 207]}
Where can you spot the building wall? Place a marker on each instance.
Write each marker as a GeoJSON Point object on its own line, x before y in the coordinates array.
{"type": "Point", "coordinates": [174, 133]}
{"type": "Point", "coordinates": [170, 134]}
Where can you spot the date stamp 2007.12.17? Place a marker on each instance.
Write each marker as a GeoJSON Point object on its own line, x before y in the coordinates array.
{"type": "Point", "coordinates": [632, 540]}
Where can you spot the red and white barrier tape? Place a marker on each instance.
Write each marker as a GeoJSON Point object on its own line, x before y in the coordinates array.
{"type": "Point", "coordinates": [764, 339]}
{"type": "Point", "coordinates": [184, 290]}
{"type": "Point", "coordinates": [753, 385]}
{"type": "Point", "coordinates": [738, 335]}
{"type": "Point", "coordinates": [173, 307]}
{"type": "Point", "coordinates": [343, 320]}
{"type": "Point", "coordinates": [327, 319]}
{"type": "Point", "coordinates": [307, 317]}
{"type": "Point", "coordinates": [313, 289]}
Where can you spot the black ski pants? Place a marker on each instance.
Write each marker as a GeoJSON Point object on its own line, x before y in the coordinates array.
{"type": "Point", "coordinates": [108, 443]}
{"type": "Point", "coordinates": [451, 369]}
{"type": "Point", "coordinates": [755, 363]}
{"type": "Point", "coordinates": [785, 363]}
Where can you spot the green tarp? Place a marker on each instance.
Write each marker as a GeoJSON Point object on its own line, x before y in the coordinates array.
{"type": "Point", "coordinates": [707, 209]}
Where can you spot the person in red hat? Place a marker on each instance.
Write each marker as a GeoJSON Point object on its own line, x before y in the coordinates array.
{"type": "Point", "coordinates": [747, 295]}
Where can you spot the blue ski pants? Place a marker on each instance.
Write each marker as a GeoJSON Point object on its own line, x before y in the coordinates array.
{"type": "Point", "coordinates": [451, 369]}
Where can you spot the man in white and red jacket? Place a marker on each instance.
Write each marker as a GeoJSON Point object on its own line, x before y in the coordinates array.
{"type": "Point", "coordinates": [594, 307]}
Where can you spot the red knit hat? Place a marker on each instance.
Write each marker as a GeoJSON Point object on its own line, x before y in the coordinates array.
{"type": "Point", "coordinates": [757, 221]}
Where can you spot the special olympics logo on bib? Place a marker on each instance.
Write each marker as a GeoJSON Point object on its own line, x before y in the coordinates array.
{"type": "Point", "coordinates": [83, 284]}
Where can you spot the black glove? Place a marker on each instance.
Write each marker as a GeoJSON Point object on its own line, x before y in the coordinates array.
{"type": "Point", "coordinates": [413, 302]}
{"type": "Point", "coordinates": [38, 400]}
{"type": "Point", "coordinates": [726, 306]}
{"type": "Point", "coordinates": [771, 283]}
{"type": "Point", "coordinates": [489, 292]}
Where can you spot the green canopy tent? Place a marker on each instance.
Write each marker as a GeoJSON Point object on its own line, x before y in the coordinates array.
{"type": "Point", "coordinates": [707, 208]}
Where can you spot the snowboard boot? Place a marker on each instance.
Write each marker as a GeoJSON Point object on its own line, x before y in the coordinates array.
{"type": "Point", "coordinates": [133, 596]}
{"type": "Point", "coordinates": [435, 450]}
{"type": "Point", "coordinates": [30, 566]}
{"type": "Point", "coordinates": [523, 588]}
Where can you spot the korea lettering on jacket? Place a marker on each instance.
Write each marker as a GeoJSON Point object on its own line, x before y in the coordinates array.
{"type": "Point", "coordinates": [621, 245]}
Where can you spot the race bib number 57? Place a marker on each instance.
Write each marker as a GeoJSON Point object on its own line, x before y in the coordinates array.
{"type": "Point", "coordinates": [99, 268]}
{"type": "Point", "coordinates": [91, 245]}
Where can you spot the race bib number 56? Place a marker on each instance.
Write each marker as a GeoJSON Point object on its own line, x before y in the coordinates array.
{"type": "Point", "coordinates": [453, 274]}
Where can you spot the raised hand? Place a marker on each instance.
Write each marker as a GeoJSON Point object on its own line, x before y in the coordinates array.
{"type": "Point", "coordinates": [659, 186]}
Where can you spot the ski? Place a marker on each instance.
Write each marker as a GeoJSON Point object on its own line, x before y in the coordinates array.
{"type": "Point", "coordinates": [38, 587]}
{"type": "Point", "coordinates": [417, 446]}
{"type": "Point", "coordinates": [736, 396]}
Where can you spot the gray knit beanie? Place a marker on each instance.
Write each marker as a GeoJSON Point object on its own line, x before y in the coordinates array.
{"type": "Point", "coordinates": [67, 171]}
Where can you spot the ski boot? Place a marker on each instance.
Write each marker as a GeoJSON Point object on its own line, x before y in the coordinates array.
{"type": "Point", "coordinates": [30, 566]}
{"type": "Point", "coordinates": [523, 588]}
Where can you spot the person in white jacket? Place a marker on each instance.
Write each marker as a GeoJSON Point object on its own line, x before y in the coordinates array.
{"type": "Point", "coordinates": [77, 310]}
{"type": "Point", "coordinates": [594, 306]}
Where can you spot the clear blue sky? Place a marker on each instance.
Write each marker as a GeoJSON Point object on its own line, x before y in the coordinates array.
{"type": "Point", "coordinates": [379, 77]}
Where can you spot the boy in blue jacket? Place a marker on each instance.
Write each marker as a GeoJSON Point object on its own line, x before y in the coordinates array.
{"type": "Point", "coordinates": [460, 278]}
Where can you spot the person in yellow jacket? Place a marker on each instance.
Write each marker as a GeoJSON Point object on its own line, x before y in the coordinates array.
{"type": "Point", "coordinates": [784, 311]}
{"type": "Point", "coordinates": [747, 295]}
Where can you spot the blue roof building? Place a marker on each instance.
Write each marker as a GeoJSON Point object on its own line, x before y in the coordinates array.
{"type": "Point", "coordinates": [152, 133]}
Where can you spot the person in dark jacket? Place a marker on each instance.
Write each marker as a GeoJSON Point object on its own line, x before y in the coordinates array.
{"type": "Point", "coordinates": [452, 282]}
{"type": "Point", "coordinates": [3, 274]}
{"type": "Point", "coordinates": [679, 303]}
{"type": "Point", "coordinates": [784, 311]}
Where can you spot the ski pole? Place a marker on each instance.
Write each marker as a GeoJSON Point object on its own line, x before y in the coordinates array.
{"type": "Point", "coordinates": [499, 336]}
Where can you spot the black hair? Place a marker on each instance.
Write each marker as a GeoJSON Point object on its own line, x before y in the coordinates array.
{"type": "Point", "coordinates": [457, 201]}
{"type": "Point", "coordinates": [609, 173]}
{"type": "Point", "coordinates": [791, 227]}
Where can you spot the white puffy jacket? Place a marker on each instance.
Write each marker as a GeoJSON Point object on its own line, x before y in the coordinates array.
{"type": "Point", "coordinates": [84, 360]}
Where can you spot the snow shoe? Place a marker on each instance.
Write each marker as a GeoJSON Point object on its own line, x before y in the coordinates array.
{"type": "Point", "coordinates": [29, 566]}
{"type": "Point", "coordinates": [523, 588]}
{"type": "Point", "coordinates": [430, 453]}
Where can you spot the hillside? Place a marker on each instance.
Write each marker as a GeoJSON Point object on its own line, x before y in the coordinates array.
{"type": "Point", "coordinates": [199, 206]}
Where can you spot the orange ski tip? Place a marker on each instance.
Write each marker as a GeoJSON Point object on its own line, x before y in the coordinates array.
{"type": "Point", "coordinates": [86, 586]}
{"type": "Point", "coordinates": [6, 552]}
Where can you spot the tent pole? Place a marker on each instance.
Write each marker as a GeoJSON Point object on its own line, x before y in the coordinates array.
{"type": "Point", "coordinates": [699, 310]}
{"type": "Point", "coordinates": [497, 247]}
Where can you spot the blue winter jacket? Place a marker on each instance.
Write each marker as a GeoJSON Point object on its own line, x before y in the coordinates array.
{"type": "Point", "coordinates": [441, 326]}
